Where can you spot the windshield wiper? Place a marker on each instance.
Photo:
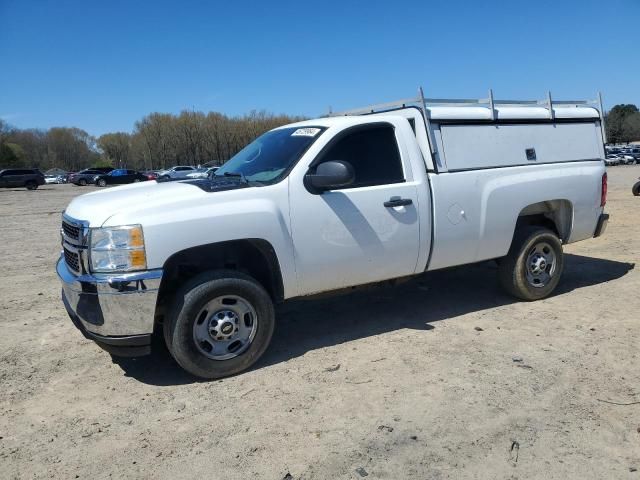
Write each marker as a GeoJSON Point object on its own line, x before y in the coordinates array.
{"type": "Point", "coordinates": [242, 178]}
{"type": "Point", "coordinates": [240, 175]}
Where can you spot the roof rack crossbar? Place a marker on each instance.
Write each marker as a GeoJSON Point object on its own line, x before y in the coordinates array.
{"type": "Point", "coordinates": [489, 102]}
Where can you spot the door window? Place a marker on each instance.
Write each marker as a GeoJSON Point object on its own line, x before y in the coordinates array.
{"type": "Point", "coordinates": [373, 153]}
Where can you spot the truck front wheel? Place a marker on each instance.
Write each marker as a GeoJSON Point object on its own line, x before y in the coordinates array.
{"type": "Point", "coordinates": [532, 268]}
{"type": "Point", "coordinates": [220, 324]}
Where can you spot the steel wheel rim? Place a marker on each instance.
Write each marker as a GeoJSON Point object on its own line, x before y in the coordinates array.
{"type": "Point", "coordinates": [540, 265]}
{"type": "Point", "coordinates": [225, 327]}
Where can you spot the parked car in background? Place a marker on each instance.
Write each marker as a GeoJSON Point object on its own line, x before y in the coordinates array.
{"type": "Point", "coordinates": [633, 153]}
{"type": "Point", "coordinates": [151, 174]}
{"type": "Point", "coordinates": [55, 179]}
{"type": "Point", "coordinates": [56, 172]}
{"type": "Point", "coordinates": [626, 159]}
{"type": "Point", "coordinates": [119, 176]}
{"type": "Point", "coordinates": [611, 160]}
{"type": "Point", "coordinates": [85, 177]}
{"type": "Point", "coordinates": [203, 172]}
{"type": "Point", "coordinates": [30, 178]}
{"type": "Point", "coordinates": [100, 170]}
{"type": "Point", "coordinates": [176, 172]}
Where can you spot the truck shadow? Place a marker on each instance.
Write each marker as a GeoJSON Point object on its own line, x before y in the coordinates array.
{"type": "Point", "coordinates": [306, 325]}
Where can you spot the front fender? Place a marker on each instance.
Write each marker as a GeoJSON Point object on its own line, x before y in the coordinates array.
{"type": "Point", "coordinates": [247, 213]}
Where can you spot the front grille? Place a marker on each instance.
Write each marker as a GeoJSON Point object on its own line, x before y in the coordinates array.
{"type": "Point", "coordinates": [71, 231]}
{"type": "Point", "coordinates": [72, 259]}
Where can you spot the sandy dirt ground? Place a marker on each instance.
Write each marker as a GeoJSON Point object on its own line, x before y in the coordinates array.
{"type": "Point", "coordinates": [441, 377]}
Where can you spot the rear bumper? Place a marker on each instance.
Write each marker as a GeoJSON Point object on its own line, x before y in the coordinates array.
{"type": "Point", "coordinates": [117, 311]}
{"type": "Point", "coordinates": [601, 226]}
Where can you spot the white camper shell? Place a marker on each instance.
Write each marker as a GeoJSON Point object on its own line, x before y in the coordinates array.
{"type": "Point", "coordinates": [471, 134]}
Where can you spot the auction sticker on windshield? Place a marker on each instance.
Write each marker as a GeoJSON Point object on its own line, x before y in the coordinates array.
{"type": "Point", "coordinates": [305, 132]}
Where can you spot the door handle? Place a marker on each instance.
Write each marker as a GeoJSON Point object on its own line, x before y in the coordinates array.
{"type": "Point", "coordinates": [398, 202]}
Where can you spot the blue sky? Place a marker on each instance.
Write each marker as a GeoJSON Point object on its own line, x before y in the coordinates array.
{"type": "Point", "coordinates": [103, 65]}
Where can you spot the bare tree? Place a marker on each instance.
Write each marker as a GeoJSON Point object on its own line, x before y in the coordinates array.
{"type": "Point", "coordinates": [159, 140]}
{"type": "Point", "coordinates": [116, 147]}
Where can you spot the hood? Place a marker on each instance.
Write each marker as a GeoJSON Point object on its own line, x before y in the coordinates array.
{"type": "Point", "coordinates": [97, 207]}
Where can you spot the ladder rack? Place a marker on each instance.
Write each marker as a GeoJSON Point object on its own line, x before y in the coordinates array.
{"type": "Point", "coordinates": [490, 102]}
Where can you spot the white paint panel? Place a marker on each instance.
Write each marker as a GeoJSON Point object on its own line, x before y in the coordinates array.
{"type": "Point", "coordinates": [475, 212]}
{"type": "Point", "coordinates": [348, 237]}
{"type": "Point", "coordinates": [485, 146]}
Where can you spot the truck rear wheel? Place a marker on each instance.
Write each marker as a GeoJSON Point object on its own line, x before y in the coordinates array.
{"type": "Point", "coordinates": [31, 185]}
{"type": "Point", "coordinates": [636, 189]}
{"type": "Point", "coordinates": [532, 268]}
{"type": "Point", "coordinates": [220, 324]}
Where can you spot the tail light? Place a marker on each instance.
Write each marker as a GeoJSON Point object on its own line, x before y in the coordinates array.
{"type": "Point", "coordinates": [603, 192]}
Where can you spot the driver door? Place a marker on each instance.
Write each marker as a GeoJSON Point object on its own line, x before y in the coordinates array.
{"type": "Point", "coordinates": [355, 235]}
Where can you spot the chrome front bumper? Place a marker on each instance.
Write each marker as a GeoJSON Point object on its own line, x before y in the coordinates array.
{"type": "Point", "coordinates": [112, 309]}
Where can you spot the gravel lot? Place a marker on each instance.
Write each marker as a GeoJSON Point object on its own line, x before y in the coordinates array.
{"type": "Point", "coordinates": [441, 377]}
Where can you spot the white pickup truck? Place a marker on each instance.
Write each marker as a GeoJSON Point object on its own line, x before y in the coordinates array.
{"type": "Point", "coordinates": [380, 193]}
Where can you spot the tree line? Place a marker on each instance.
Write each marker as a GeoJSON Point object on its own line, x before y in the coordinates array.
{"type": "Point", "coordinates": [623, 124]}
{"type": "Point", "coordinates": [158, 140]}
{"type": "Point", "coordinates": [161, 140]}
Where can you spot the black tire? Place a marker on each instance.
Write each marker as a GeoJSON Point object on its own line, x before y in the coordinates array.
{"type": "Point", "coordinates": [514, 272]}
{"type": "Point", "coordinates": [31, 185]}
{"type": "Point", "coordinates": [101, 182]}
{"type": "Point", "coordinates": [137, 180]}
{"type": "Point", "coordinates": [82, 182]}
{"type": "Point", "coordinates": [179, 326]}
{"type": "Point", "coordinates": [636, 189]}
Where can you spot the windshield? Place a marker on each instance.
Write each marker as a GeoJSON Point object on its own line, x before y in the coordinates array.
{"type": "Point", "coordinates": [268, 158]}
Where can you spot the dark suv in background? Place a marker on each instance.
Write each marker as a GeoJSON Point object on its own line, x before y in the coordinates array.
{"type": "Point", "coordinates": [31, 178]}
{"type": "Point", "coordinates": [88, 175]}
{"type": "Point", "coordinates": [120, 176]}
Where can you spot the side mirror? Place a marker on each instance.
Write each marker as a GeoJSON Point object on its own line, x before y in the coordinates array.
{"type": "Point", "coordinates": [329, 175]}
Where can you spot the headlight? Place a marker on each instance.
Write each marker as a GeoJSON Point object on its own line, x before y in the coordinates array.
{"type": "Point", "coordinates": [117, 249]}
